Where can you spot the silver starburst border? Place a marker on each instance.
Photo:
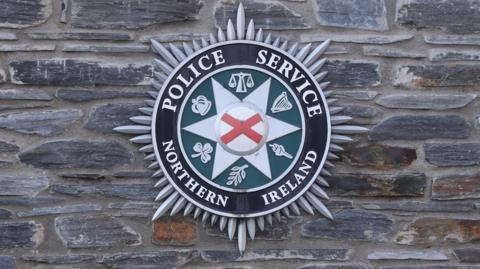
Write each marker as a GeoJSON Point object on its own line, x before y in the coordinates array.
{"type": "Point", "coordinates": [171, 200]}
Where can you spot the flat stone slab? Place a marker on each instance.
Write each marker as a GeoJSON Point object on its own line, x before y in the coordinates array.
{"type": "Point", "coordinates": [446, 75]}
{"type": "Point", "coordinates": [270, 15]}
{"type": "Point", "coordinates": [24, 94]}
{"type": "Point", "coordinates": [431, 102]}
{"type": "Point", "coordinates": [408, 255]}
{"type": "Point", "coordinates": [103, 118]}
{"type": "Point", "coordinates": [67, 209]}
{"type": "Point", "coordinates": [379, 51]}
{"type": "Point", "coordinates": [22, 185]}
{"type": "Point", "coordinates": [366, 14]}
{"type": "Point", "coordinates": [22, 14]}
{"type": "Point", "coordinates": [76, 154]}
{"type": "Point", "coordinates": [377, 156]}
{"type": "Point", "coordinates": [95, 231]}
{"type": "Point", "coordinates": [452, 39]}
{"type": "Point", "coordinates": [456, 187]}
{"type": "Point", "coordinates": [111, 14]}
{"type": "Point", "coordinates": [275, 254]}
{"type": "Point", "coordinates": [471, 255]}
{"type": "Point", "coordinates": [422, 206]}
{"type": "Point", "coordinates": [439, 55]}
{"type": "Point", "coordinates": [377, 39]}
{"type": "Point", "coordinates": [350, 74]}
{"type": "Point", "coordinates": [132, 191]}
{"type": "Point", "coordinates": [350, 224]}
{"type": "Point", "coordinates": [153, 259]}
{"type": "Point", "coordinates": [446, 154]}
{"type": "Point", "coordinates": [25, 234]}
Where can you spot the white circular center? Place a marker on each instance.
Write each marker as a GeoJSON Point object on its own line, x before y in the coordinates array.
{"type": "Point", "coordinates": [241, 128]}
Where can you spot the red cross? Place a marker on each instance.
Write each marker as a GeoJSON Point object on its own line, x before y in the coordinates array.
{"type": "Point", "coordinates": [241, 127]}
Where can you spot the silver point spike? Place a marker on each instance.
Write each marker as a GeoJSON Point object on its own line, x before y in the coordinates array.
{"type": "Point", "coordinates": [286, 212]}
{"type": "Point", "coordinates": [156, 85]}
{"type": "Point", "coordinates": [160, 77]}
{"type": "Point", "coordinates": [322, 182]}
{"type": "Point", "coordinates": [213, 40]}
{"type": "Point", "coordinates": [167, 69]}
{"type": "Point", "coordinates": [222, 223]}
{"type": "Point", "coordinates": [324, 85]}
{"type": "Point", "coordinates": [146, 149]}
{"type": "Point", "coordinates": [240, 22]}
{"type": "Point", "coordinates": [167, 190]}
{"type": "Point", "coordinates": [250, 31]}
{"type": "Point", "coordinates": [196, 46]}
{"type": "Point", "coordinates": [261, 223]}
{"type": "Point", "coordinates": [269, 219]}
{"type": "Point", "coordinates": [188, 209]}
{"type": "Point", "coordinates": [187, 48]}
{"type": "Point", "coordinates": [230, 31]}
{"type": "Point", "coordinates": [153, 94]}
{"type": "Point", "coordinates": [276, 43]}
{"type": "Point", "coordinates": [325, 172]}
{"type": "Point", "coordinates": [319, 206]}
{"type": "Point", "coordinates": [305, 205]}
{"type": "Point", "coordinates": [197, 212]}
{"type": "Point", "coordinates": [336, 120]}
{"type": "Point", "coordinates": [341, 139]}
{"type": "Point", "coordinates": [142, 139]}
{"type": "Point", "coordinates": [317, 190]}
{"type": "Point", "coordinates": [149, 157]}
{"type": "Point", "coordinates": [150, 103]}
{"type": "Point", "coordinates": [242, 237]}
{"type": "Point", "coordinates": [177, 53]}
{"type": "Point", "coordinates": [213, 219]}
{"type": "Point", "coordinates": [277, 215]}
{"type": "Point", "coordinates": [332, 156]}
{"type": "Point", "coordinates": [205, 216]}
{"type": "Point", "coordinates": [335, 110]}
{"type": "Point", "coordinates": [204, 42]}
{"type": "Point", "coordinates": [317, 65]}
{"type": "Point", "coordinates": [251, 227]}
{"type": "Point", "coordinates": [316, 53]}
{"type": "Point", "coordinates": [303, 52]}
{"type": "Point", "coordinates": [293, 49]}
{"type": "Point", "coordinates": [294, 207]}
{"type": "Point", "coordinates": [142, 120]}
{"type": "Point", "coordinates": [268, 39]}
{"type": "Point", "coordinates": [166, 205]}
{"type": "Point", "coordinates": [232, 226]}
{"type": "Point", "coordinates": [284, 45]}
{"type": "Point", "coordinates": [162, 51]}
{"type": "Point", "coordinates": [153, 165]}
{"type": "Point", "coordinates": [320, 76]}
{"type": "Point", "coordinates": [259, 35]}
{"type": "Point", "coordinates": [221, 35]}
{"type": "Point", "coordinates": [335, 148]}
{"type": "Point", "coordinates": [348, 129]}
{"type": "Point", "coordinates": [178, 206]}
{"type": "Point", "coordinates": [161, 182]}
{"type": "Point", "coordinates": [133, 129]}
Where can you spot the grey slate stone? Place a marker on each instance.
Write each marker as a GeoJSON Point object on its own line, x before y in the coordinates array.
{"type": "Point", "coordinates": [356, 94]}
{"type": "Point", "coordinates": [25, 234]}
{"type": "Point", "coordinates": [431, 267]}
{"type": "Point", "coordinates": [378, 185]}
{"type": "Point", "coordinates": [349, 74]}
{"type": "Point", "coordinates": [73, 72]}
{"type": "Point", "coordinates": [445, 154]}
{"type": "Point", "coordinates": [5, 214]}
{"type": "Point", "coordinates": [131, 191]}
{"type": "Point", "coordinates": [7, 262]}
{"type": "Point", "coordinates": [80, 36]}
{"type": "Point", "coordinates": [21, 14]}
{"type": "Point", "coordinates": [421, 206]}
{"type": "Point", "coordinates": [173, 37]}
{"type": "Point", "coordinates": [67, 209]}
{"type": "Point", "coordinates": [413, 76]}
{"type": "Point", "coordinates": [21, 185]}
{"type": "Point", "coordinates": [131, 14]}
{"type": "Point", "coordinates": [471, 255]}
{"type": "Point", "coordinates": [357, 14]}
{"type": "Point", "coordinates": [350, 225]}
{"type": "Point", "coordinates": [270, 15]}
{"type": "Point", "coordinates": [95, 231]}
{"type": "Point", "coordinates": [454, 16]}
{"type": "Point", "coordinates": [380, 51]}
{"type": "Point", "coordinates": [358, 111]}
{"type": "Point", "coordinates": [420, 127]}
{"type": "Point", "coordinates": [91, 95]}
{"type": "Point", "coordinates": [5, 36]}
{"type": "Point", "coordinates": [104, 118]}
{"type": "Point", "coordinates": [155, 260]}
{"type": "Point", "coordinates": [26, 47]}
{"type": "Point", "coordinates": [275, 254]}
{"type": "Point", "coordinates": [105, 48]}
{"type": "Point", "coordinates": [336, 266]}
{"type": "Point", "coordinates": [76, 154]}
{"type": "Point", "coordinates": [456, 187]}
{"type": "Point", "coordinates": [42, 123]}
{"type": "Point", "coordinates": [133, 174]}
{"type": "Point", "coordinates": [83, 176]}
{"type": "Point", "coordinates": [431, 102]}
{"type": "Point", "coordinates": [357, 38]}
{"type": "Point", "coordinates": [7, 147]}
{"type": "Point", "coordinates": [59, 259]}
{"type": "Point", "coordinates": [2, 76]}
{"type": "Point", "coordinates": [439, 55]}
{"type": "Point", "coordinates": [452, 39]}
{"type": "Point", "coordinates": [24, 94]}
{"type": "Point", "coordinates": [30, 201]}
{"type": "Point", "coordinates": [424, 255]}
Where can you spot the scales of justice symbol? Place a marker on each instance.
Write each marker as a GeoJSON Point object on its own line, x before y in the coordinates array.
{"type": "Point", "coordinates": [243, 127]}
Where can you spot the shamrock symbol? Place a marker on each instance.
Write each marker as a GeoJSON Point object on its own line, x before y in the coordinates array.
{"type": "Point", "coordinates": [203, 151]}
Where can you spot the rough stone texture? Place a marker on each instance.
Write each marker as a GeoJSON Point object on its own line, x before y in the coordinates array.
{"type": "Point", "coordinates": [267, 15]}
{"type": "Point", "coordinates": [87, 95]}
{"type": "Point", "coordinates": [347, 74]}
{"type": "Point", "coordinates": [44, 123]}
{"type": "Point", "coordinates": [7, 262]}
{"type": "Point", "coordinates": [453, 39]}
{"type": "Point", "coordinates": [381, 157]}
{"type": "Point", "coordinates": [358, 111]}
{"type": "Point", "coordinates": [423, 207]}
{"type": "Point", "coordinates": [24, 94]}
{"type": "Point", "coordinates": [5, 214]}
{"type": "Point", "coordinates": [357, 14]}
{"type": "Point", "coordinates": [439, 55]}
{"type": "Point", "coordinates": [79, 208]}
{"type": "Point", "coordinates": [73, 72]}
{"type": "Point", "coordinates": [104, 118]}
{"type": "Point", "coordinates": [420, 127]}
{"type": "Point", "coordinates": [21, 14]}
{"type": "Point", "coordinates": [26, 48]}
{"type": "Point", "coordinates": [22, 185]}
{"type": "Point", "coordinates": [59, 259]}
{"type": "Point", "coordinates": [131, 14]}
{"type": "Point", "coordinates": [26, 234]}
{"type": "Point", "coordinates": [2, 76]}
{"type": "Point", "coordinates": [408, 255]}
{"type": "Point", "coordinates": [76, 154]}
{"type": "Point", "coordinates": [437, 75]}
{"type": "Point", "coordinates": [350, 225]}
{"type": "Point", "coordinates": [471, 255]}
{"type": "Point", "coordinates": [357, 38]}
{"type": "Point", "coordinates": [173, 37]}
{"type": "Point", "coordinates": [158, 259]}
{"type": "Point", "coordinates": [275, 254]}
{"type": "Point", "coordinates": [95, 231]}
{"type": "Point", "coordinates": [433, 102]}
{"type": "Point", "coordinates": [378, 185]}
{"type": "Point", "coordinates": [6, 147]}
{"type": "Point", "coordinates": [80, 36]}
{"type": "Point", "coordinates": [7, 36]}
{"type": "Point", "coordinates": [379, 51]}
{"type": "Point", "coordinates": [127, 191]}
{"type": "Point", "coordinates": [443, 154]}
{"type": "Point", "coordinates": [454, 16]}
{"type": "Point", "coordinates": [335, 266]}
{"type": "Point", "coordinates": [29, 201]}
{"type": "Point", "coordinates": [439, 231]}
{"type": "Point", "coordinates": [356, 95]}
{"type": "Point", "coordinates": [456, 187]}
{"type": "Point", "coordinates": [176, 231]}
{"type": "Point", "coordinates": [105, 49]}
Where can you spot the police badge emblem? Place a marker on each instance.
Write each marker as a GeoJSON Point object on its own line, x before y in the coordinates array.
{"type": "Point", "coordinates": [240, 129]}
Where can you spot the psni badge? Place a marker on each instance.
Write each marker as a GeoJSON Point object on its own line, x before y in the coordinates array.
{"type": "Point", "coordinates": [241, 129]}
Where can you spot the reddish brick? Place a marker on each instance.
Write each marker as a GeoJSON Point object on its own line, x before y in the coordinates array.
{"type": "Point", "coordinates": [175, 231]}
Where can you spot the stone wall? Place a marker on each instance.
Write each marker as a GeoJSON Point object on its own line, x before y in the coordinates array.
{"type": "Point", "coordinates": [73, 194]}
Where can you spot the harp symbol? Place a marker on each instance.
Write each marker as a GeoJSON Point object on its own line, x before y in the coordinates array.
{"type": "Point", "coordinates": [281, 103]}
